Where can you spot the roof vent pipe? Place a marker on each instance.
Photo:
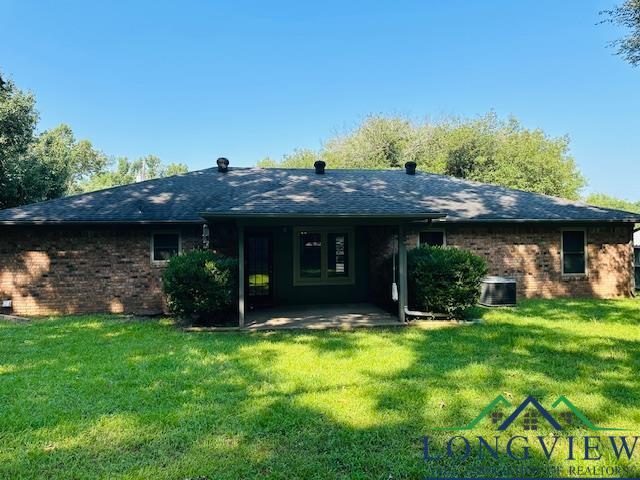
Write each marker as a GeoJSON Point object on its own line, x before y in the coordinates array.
{"type": "Point", "coordinates": [223, 164]}
{"type": "Point", "coordinates": [319, 166]}
{"type": "Point", "coordinates": [410, 168]}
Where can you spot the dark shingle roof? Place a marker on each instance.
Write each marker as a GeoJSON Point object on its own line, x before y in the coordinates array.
{"type": "Point", "coordinates": [255, 191]}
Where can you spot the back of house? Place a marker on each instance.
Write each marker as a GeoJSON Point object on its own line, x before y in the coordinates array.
{"type": "Point", "coordinates": [302, 237]}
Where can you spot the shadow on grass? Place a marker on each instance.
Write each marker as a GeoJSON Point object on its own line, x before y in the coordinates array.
{"type": "Point", "coordinates": [87, 398]}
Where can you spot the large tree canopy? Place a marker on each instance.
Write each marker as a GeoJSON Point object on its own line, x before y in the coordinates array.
{"type": "Point", "coordinates": [36, 167]}
{"type": "Point", "coordinates": [17, 126]}
{"type": "Point", "coordinates": [627, 16]}
{"type": "Point", "coordinates": [62, 163]}
{"type": "Point", "coordinates": [484, 149]}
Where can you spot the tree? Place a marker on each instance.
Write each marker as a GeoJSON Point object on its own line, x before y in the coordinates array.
{"type": "Point", "coordinates": [606, 201]}
{"type": "Point", "coordinates": [52, 165]}
{"type": "Point", "coordinates": [627, 16]}
{"type": "Point", "coordinates": [150, 166]}
{"type": "Point", "coordinates": [126, 171]}
{"type": "Point", "coordinates": [378, 143]}
{"type": "Point", "coordinates": [175, 169]}
{"type": "Point", "coordinates": [504, 153]}
{"type": "Point", "coordinates": [37, 167]}
{"type": "Point", "coordinates": [64, 162]}
{"type": "Point", "coordinates": [18, 119]}
{"type": "Point", "coordinates": [485, 149]}
{"type": "Point", "coordinates": [300, 158]}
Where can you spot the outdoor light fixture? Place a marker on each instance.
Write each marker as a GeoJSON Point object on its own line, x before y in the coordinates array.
{"type": "Point", "coordinates": [205, 236]}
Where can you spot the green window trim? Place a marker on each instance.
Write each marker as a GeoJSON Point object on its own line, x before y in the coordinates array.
{"type": "Point", "coordinates": [324, 277]}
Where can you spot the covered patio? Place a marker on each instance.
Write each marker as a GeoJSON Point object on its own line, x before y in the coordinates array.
{"type": "Point", "coordinates": [320, 317]}
{"type": "Point", "coordinates": [319, 271]}
{"type": "Point", "coordinates": [319, 250]}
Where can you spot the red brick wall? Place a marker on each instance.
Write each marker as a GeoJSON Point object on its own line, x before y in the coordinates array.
{"type": "Point", "coordinates": [61, 270]}
{"type": "Point", "coordinates": [531, 254]}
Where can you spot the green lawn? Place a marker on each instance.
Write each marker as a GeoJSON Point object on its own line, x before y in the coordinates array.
{"type": "Point", "coordinates": [104, 396]}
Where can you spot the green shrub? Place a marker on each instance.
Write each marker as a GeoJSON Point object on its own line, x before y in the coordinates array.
{"type": "Point", "coordinates": [202, 286]}
{"type": "Point", "coordinates": [444, 280]}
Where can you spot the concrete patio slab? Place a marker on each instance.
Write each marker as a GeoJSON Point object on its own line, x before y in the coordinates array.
{"type": "Point", "coordinates": [319, 317]}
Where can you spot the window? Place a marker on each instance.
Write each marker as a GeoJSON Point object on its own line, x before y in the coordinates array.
{"type": "Point", "coordinates": [337, 256]}
{"type": "Point", "coordinates": [310, 255]}
{"type": "Point", "coordinates": [574, 252]}
{"type": "Point", "coordinates": [433, 238]}
{"type": "Point", "coordinates": [323, 256]}
{"type": "Point", "coordinates": [164, 246]}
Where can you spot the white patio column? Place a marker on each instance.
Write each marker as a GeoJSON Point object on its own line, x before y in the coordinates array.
{"type": "Point", "coordinates": [240, 275]}
{"type": "Point", "coordinates": [402, 273]}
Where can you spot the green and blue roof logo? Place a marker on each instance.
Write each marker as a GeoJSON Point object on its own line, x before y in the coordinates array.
{"type": "Point", "coordinates": [532, 416]}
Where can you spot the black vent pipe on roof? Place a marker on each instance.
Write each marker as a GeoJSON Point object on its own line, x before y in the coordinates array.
{"type": "Point", "coordinates": [319, 166]}
{"type": "Point", "coordinates": [223, 164]}
{"type": "Point", "coordinates": [410, 168]}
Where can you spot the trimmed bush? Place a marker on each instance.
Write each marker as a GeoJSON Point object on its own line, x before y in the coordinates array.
{"type": "Point", "coordinates": [444, 280]}
{"type": "Point", "coordinates": [202, 286]}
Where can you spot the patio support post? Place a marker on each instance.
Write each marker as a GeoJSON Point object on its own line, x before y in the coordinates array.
{"type": "Point", "coordinates": [402, 273]}
{"type": "Point", "coordinates": [240, 275]}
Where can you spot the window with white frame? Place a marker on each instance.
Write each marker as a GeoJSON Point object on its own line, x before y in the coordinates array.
{"type": "Point", "coordinates": [323, 256]}
{"type": "Point", "coordinates": [574, 252]}
{"type": "Point", "coordinates": [165, 245]}
{"type": "Point", "coordinates": [433, 238]}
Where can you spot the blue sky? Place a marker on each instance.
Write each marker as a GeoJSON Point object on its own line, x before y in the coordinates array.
{"type": "Point", "coordinates": [192, 81]}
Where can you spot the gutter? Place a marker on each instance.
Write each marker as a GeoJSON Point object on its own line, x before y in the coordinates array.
{"type": "Point", "coordinates": [542, 220]}
{"type": "Point", "coordinates": [440, 217]}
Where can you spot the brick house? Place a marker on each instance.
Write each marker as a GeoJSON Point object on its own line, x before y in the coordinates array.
{"type": "Point", "coordinates": [303, 237]}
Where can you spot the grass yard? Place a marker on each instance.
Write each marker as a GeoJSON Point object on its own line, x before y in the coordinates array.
{"type": "Point", "coordinates": [108, 397]}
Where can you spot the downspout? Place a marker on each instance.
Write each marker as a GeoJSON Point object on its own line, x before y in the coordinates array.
{"type": "Point", "coordinates": [415, 313]}
{"type": "Point", "coordinates": [402, 271]}
{"type": "Point", "coordinates": [394, 286]}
